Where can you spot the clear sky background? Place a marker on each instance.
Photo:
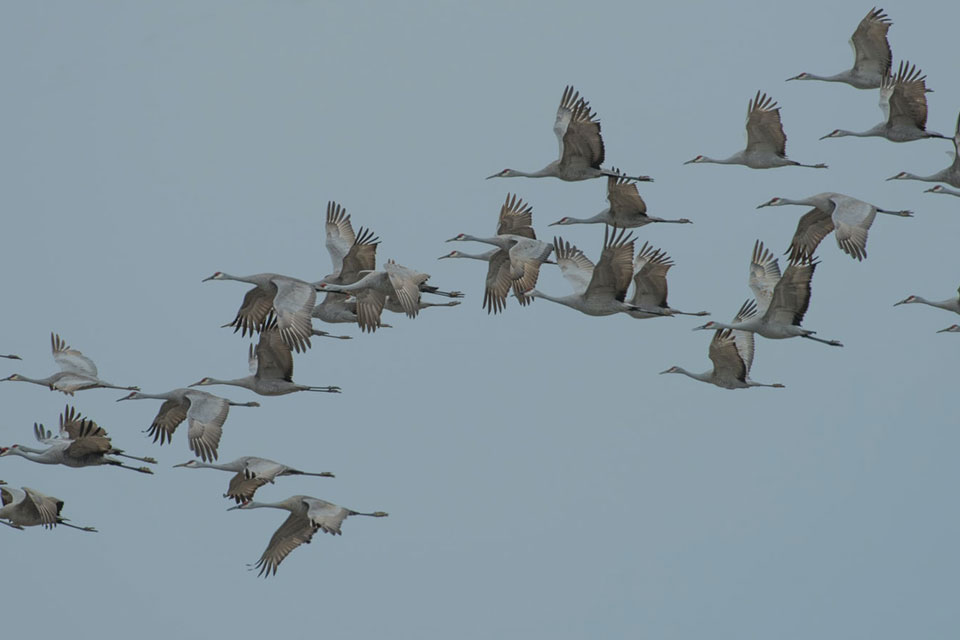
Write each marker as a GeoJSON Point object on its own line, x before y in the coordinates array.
{"type": "Point", "coordinates": [542, 480]}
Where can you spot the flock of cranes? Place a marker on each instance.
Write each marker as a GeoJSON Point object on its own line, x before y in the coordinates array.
{"type": "Point", "coordinates": [279, 309]}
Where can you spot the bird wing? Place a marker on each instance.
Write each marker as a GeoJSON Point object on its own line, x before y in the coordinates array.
{"type": "Point", "coordinates": [90, 440]}
{"type": "Point", "coordinates": [326, 515]}
{"type": "Point", "coordinates": [516, 218]}
{"type": "Point", "coordinates": [73, 425]}
{"type": "Point", "coordinates": [42, 435]}
{"type": "Point", "coordinates": [254, 312]}
{"type": "Point", "coordinates": [71, 360]}
{"type": "Point", "coordinates": [614, 271]}
{"type": "Point", "coordinates": [726, 359]}
{"type": "Point", "coordinates": [362, 256]}
{"type": "Point", "coordinates": [624, 198]}
{"type": "Point", "coordinates": [273, 357]}
{"type": "Point", "coordinates": [293, 303]}
{"type": "Point", "coordinates": [764, 130]}
{"type": "Point", "coordinates": [340, 236]}
{"type": "Point", "coordinates": [578, 131]}
{"type": "Point", "coordinates": [791, 296]}
{"type": "Point", "coordinates": [526, 256]}
{"type": "Point", "coordinates": [294, 531]}
{"type": "Point", "coordinates": [242, 488]}
{"type": "Point", "coordinates": [498, 282]}
{"type": "Point", "coordinates": [764, 275]}
{"type": "Point", "coordinates": [10, 495]}
{"type": "Point", "coordinates": [745, 339]}
{"type": "Point", "coordinates": [812, 227]}
{"type": "Point", "coordinates": [650, 277]}
{"type": "Point", "coordinates": [44, 508]}
{"type": "Point", "coordinates": [406, 285]}
{"type": "Point", "coordinates": [852, 219]}
{"type": "Point", "coordinates": [370, 304]}
{"type": "Point", "coordinates": [907, 101]}
{"type": "Point", "coordinates": [262, 468]}
{"type": "Point", "coordinates": [576, 267]}
{"type": "Point", "coordinates": [870, 46]}
{"type": "Point", "coordinates": [172, 413]}
{"type": "Point", "coordinates": [206, 415]}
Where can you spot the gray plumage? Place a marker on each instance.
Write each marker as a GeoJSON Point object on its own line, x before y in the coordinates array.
{"type": "Point", "coordinates": [26, 507]}
{"type": "Point", "coordinates": [950, 175]}
{"type": "Point", "coordinates": [251, 473]}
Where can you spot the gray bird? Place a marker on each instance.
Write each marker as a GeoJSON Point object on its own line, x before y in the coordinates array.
{"type": "Point", "coordinates": [950, 175]}
{"type": "Point", "coordinates": [251, 474]}
{"type": "Point", "coordinates": [627, 209]}
{"type": "Point", "coordinates": [28, 507]}
{"type": "Point", "coordinates": [77, 371]}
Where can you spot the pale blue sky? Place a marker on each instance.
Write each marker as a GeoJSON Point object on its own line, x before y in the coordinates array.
{"type": "Point", "coordinates": [543, 481]}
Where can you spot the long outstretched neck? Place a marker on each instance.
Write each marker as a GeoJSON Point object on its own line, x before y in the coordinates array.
{"type": "Point", "coordinates": [702, 377]}
{"type": "Point", "coordinates": [35, 455]}
{"type": "Point", "coordinates": [262, 505]}
{"type": "Point", "coordinates": [840, 77]}
{"type": "Point", "coordinates": [602, 217]}
{"type": "Point", "coordinates": [236, 382]}
{"type": "Point", "coordinates": [567, 301]}
{"type": "Point", "coordinates": [197, 464]}
{"type": "Point", "coordinates": [46, 382]}
{"type": "Point", "coordinates": [677, 312]}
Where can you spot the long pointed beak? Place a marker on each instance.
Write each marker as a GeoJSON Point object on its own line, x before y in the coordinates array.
{"type": "Point", "coordinates": [553, 224]}
{"type": "Point", "coordinates": [689, 162]}
{"type": "Point", "coordinates": [663, 372]}
{"type": "Point", "coordinates": [952, 327]}
{"type": "Point", "coordinates": [892, 178]}
{"type": "Point", "coordinates": [235, 508]}
{"type": "Point", "coordinates": [205, 279]}
{"type": "Point", "coordinates": [824, 137]}
{"type": "Point", "coordinates": [446, 255]}
{"type": "Point", "coordinates": [930, 190]}
{"type": "Point", "coordinates": [182, 464]}
{"type": "Point", "coordinates": [761, 206]}
{"type": "Point", "coordinates": [493, 176]}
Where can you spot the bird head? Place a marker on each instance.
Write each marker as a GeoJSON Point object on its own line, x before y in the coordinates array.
{"type": "Point", "coordinates": [899, 176]}
{"type": "Point", "coordinates": [7, 450]}
{"type": "Point", "coordinates": [708, 326]}
{"type": "Point", "coordinates": [671, 370]}
{"type": "Point", "coordinates": [954, 328]}
{"type": "Point", "coordinates": [695, 160]}
{"type": "Point", "coordinates": [13, 377]}
{"type": "Point", "coordinates": [801, 76]}
{"type": "Point", "coordinates": [190, 464]}
{"type": "Point", "coordinates": [506, 173]}
{"type": "Point", "coordinates": [452, 254]}
{"type": "Point", "coordinates": [243, 505]}
{"type": "Point", "coordinates": [836, 133]}
{"type": "Point", "coordinates": [216, 276]}
{"type": "Point", "coordinates": [772, 202]}
{"type": "Point", "coordinates": [561, 221]}
{"type": "Point", "coordinates": [906, 300]}
{"type": "Point", "coordinates": [937, 189]}
{"type": "Point", "coordinates": [458, 237]}
{"type": "Point", "coordinates": [202, 382]}
{"type": "Point", "coordinates": [135, 395]}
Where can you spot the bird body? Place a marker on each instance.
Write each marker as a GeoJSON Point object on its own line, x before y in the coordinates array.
{"type": "Point", "coordinates": [872, 55]}
{"type": "Point", "coordinates": [271, 363]}
{"type": "Point", "coordinates": [307, 516]}
{"type": "Point", "coordinates": [581, 146]}
{"type": "Point", "coordinates": [766, 141]}
{"type": "Point", "coordinates": [28, 507]}
{"type": "Point", "coordinates": [627, 209]}
{"type": "Point", "coordinates": [80, 443]}
{"type": "Point", "coordinates": [251, 474]}
{"type": "Point", "coordinates": [77, 371]}
{"type": "Point", "coordinates": [731, 352]}
{"type": "Point", "coordinates": [204, 412]}
{"type": "Point", "coordinates": [850, 217]}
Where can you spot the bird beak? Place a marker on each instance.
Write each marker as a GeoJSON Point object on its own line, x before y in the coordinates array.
{"type": "Point", "coordinates": [493, 176]}
{"type": "Point", "coordinates": [761, 206]}
{"type": "Point", "coordinates": [182, 464]}
{"type": "Point", "coordinates": [793, 78]}
{"type": "Point", "coordinates": [930, 190]}
{"type": "Point", "coordinates": [205, 279]}
{"type": "Point", "coordinates": [703, 326]}
{"type": "Point", "coordinates": [446, 255]}
{"type": "Point", "coordinates": [690, 161]}
{"type": "Point", "coordinates": [948, 329]}
{"type": "Point", "coordinates": [127, 397]}
{"type": "Point", "coordinates": [826, 136]}
{"type": "Point", "coordinates": [897, 304]}
{"type": "Point", "coordinates": [892, 178]}
{"type": "Point", "coordinates": [7, 378]}
{"type": "Point", "coordinates": [453, 239]}
{"type": "Point", "coordinates": [663, 372]}
{"type": "Point", "coordinates": [553, 224]}
{"type": "Point", "coordinates": [236, 507]}
{"type": "Point", "coordinates": [195, 384]}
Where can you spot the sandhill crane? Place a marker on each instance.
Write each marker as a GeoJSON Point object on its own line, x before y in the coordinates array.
{"type": "Point", "coordinates": [251, 474]}
{"type": "Point", "coordinates": [285, 300]}
{"type": "Point", "coordinates": [650, 285]}
{"type": "Point", "coordinates": [627, 209]}
{"type": "Point", "coordinates": [205, 414]}
{"type": "Point", "coordinates": [766, 142]}
{"type": "Point", "coordinates": [516, 261]}
{"type": "Point", "coordinates": [77, 371]}
{"type": "Point", "coordinates": [950, 175]}
{"type": "Point", "coordinates": [307, 516]}
{"type": "Point", "coordinates": [28, 507]}
{"type": "Point", "coordinates": [12, 357]}
{"type": "Point", "coordinates": [732, 355]}
{"type": "Point", "coordinates": [903, 101]}
{"type": "Point", "coordinates": [80, 443]}
{"type": "Point", "coordinates": [849, 216]}
{"type": "Point", "coordinates": [782, 301]}
{"type": "Point", "coordinates": [581, 146]}
{"type": "Point", "coordinates": [942, 189]}
{"type": "Point", "coordinates": [872, 56]}
{"type": "Point", "coordinates": [351, 254]}
{"type": "Point", "coordinates": [954, 328]}
{"type": "Point", "coordinates": [950, 304]}
{"type": "Point", "coordinates": [271, 364]}
{"type": "Point", "coordinates": [598, 290]}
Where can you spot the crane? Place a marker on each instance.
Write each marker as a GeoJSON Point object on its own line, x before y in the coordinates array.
{"type": "Point", "coordinates": [307, 516]}
{"type": "Point", "coordinates": [850, 217]}
{"type": "Point", "coordinates": [205, 414]}
{"type": "Point", "coordinates": [627, 209]}
{"type": "Point", "coordinates": [26, 507]}
{"type": "Point", "coordinates": [275, 300]}
{"type": "Point", "coordinates": [766, 142]}
{"type": "Point", "coordinates": [80, 443]}
{"type": "Point", "coordinates": [271, 363]}
{"type": "Point", "coordinates": [598, 290]}
{"type": "Point", "coordinates": [950, 175]}
{"type": "Point", "coordinates": [731, 352]}
{"type": "Point", "coordinates": [516, 261]}
{"type": "Point", "coordinates": [782, 301]}
{"type": "Point", "coordinates": [77, 371]}
{"type": "Point", "coordinates": [941, 189]}
{"type": "Point", "coordinates": [950, 304]}
{"type": "Point", "coordinates": [650, 285]}
{"type": "Point", "coordinates": [871, 51]}
{"type": "Point", "coordinates": [903, 101]}
{"type": "Point", "coordinates": [251, 474]}
{"type": "Point", "coordinates": [581, 146]}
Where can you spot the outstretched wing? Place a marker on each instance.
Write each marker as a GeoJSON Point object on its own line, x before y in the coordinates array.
{"type": "Point", "coordinates": [625, 201]}
{"type": "Point", "coordinates": [172, 413]}
{"type": "Point", "coordinates": [852, 219]}
{"type": "Point", "coordinates": [791, 296]}
{"type": "Point", "coordinates": [273, 357]}
{"type": "Point", "coordinates": [576, 267]}
{"type": "Point", "coordinates": [764, 130]}
{"type": "Point", "coordinates": [70, 360]}
{"type": "Point", "coordinates": [578, 132]}
{"type": "Point", "coordinates": [812, 227]}
{"type": "Point", "coordinates": [293, 304]}
{"type": "Point", "coordinates": [516, 218]}
{"type": "Point", "coordinates": [764, 275]}
{"type": "Point", "coordinates": [406, 284]}
{"type": "Point", "coordinates": [650, 278]}
{"type": "Point", "coordinates": [870, 46]}
{"type": "Point", "coordinates": [294, 531]}
{"type": "Point", "coordinates": [340, 236]}
{"type": "Point", "coordinates": [206, 415]}
{"type": "Point", "coordinates": [907, 101]}
{"type": "Point", "coordinates": [614, 271]}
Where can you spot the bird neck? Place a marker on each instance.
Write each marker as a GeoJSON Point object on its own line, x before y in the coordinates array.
{"type": "Point", "coordinates": [568, 301]}
{"type": "Point", "coordinates": [840, 77]}
{"type": "Point", "coordinates": [603, 216]}
{"type": "Point", "coordinates": [26, 452]}
{"type": "Point", "coordinates": [702, 377]}
{"type": "Point", "coordinates": [46, 382]}
{"type": "Point", "coordinates": [737, 158]}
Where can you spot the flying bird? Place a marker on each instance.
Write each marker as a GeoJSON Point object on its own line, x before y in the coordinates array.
{"type": "Point", "coordinates": [766, 142]}
{"type": "Point", "coordinates": [871, 51]}
{"type": "Point", "coordinates": [204, 412]}
{"type": "Point", "coordinates": [28, 507]}
{"type": "Point", "coordinates": [251, 474]}
{"type": "Point", "coordinates": [950, 175]}
{"type": "Point", "coordinates": [271, 366]}
{"type": "Point", "coordinates": [950, 304]}
{"type": "Point", "coordinates": [903, 101]}
{"type": "Point", "coordinates": [941, 189]}
{"type": "Point", "coordinates": [581, 147]}
{"type": "Point", "coordinates": [77, 371]}
{"type": "Point", "coordinates": [307, 516]}
{"type": "Point", "coordinates": [627, 209]}
{"type": "Point", "coordinates": [650, 285]}
{"type": "Point", "coordinates": [850, 217]}
{"type": "Point", "coordinates": [731, 352]}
